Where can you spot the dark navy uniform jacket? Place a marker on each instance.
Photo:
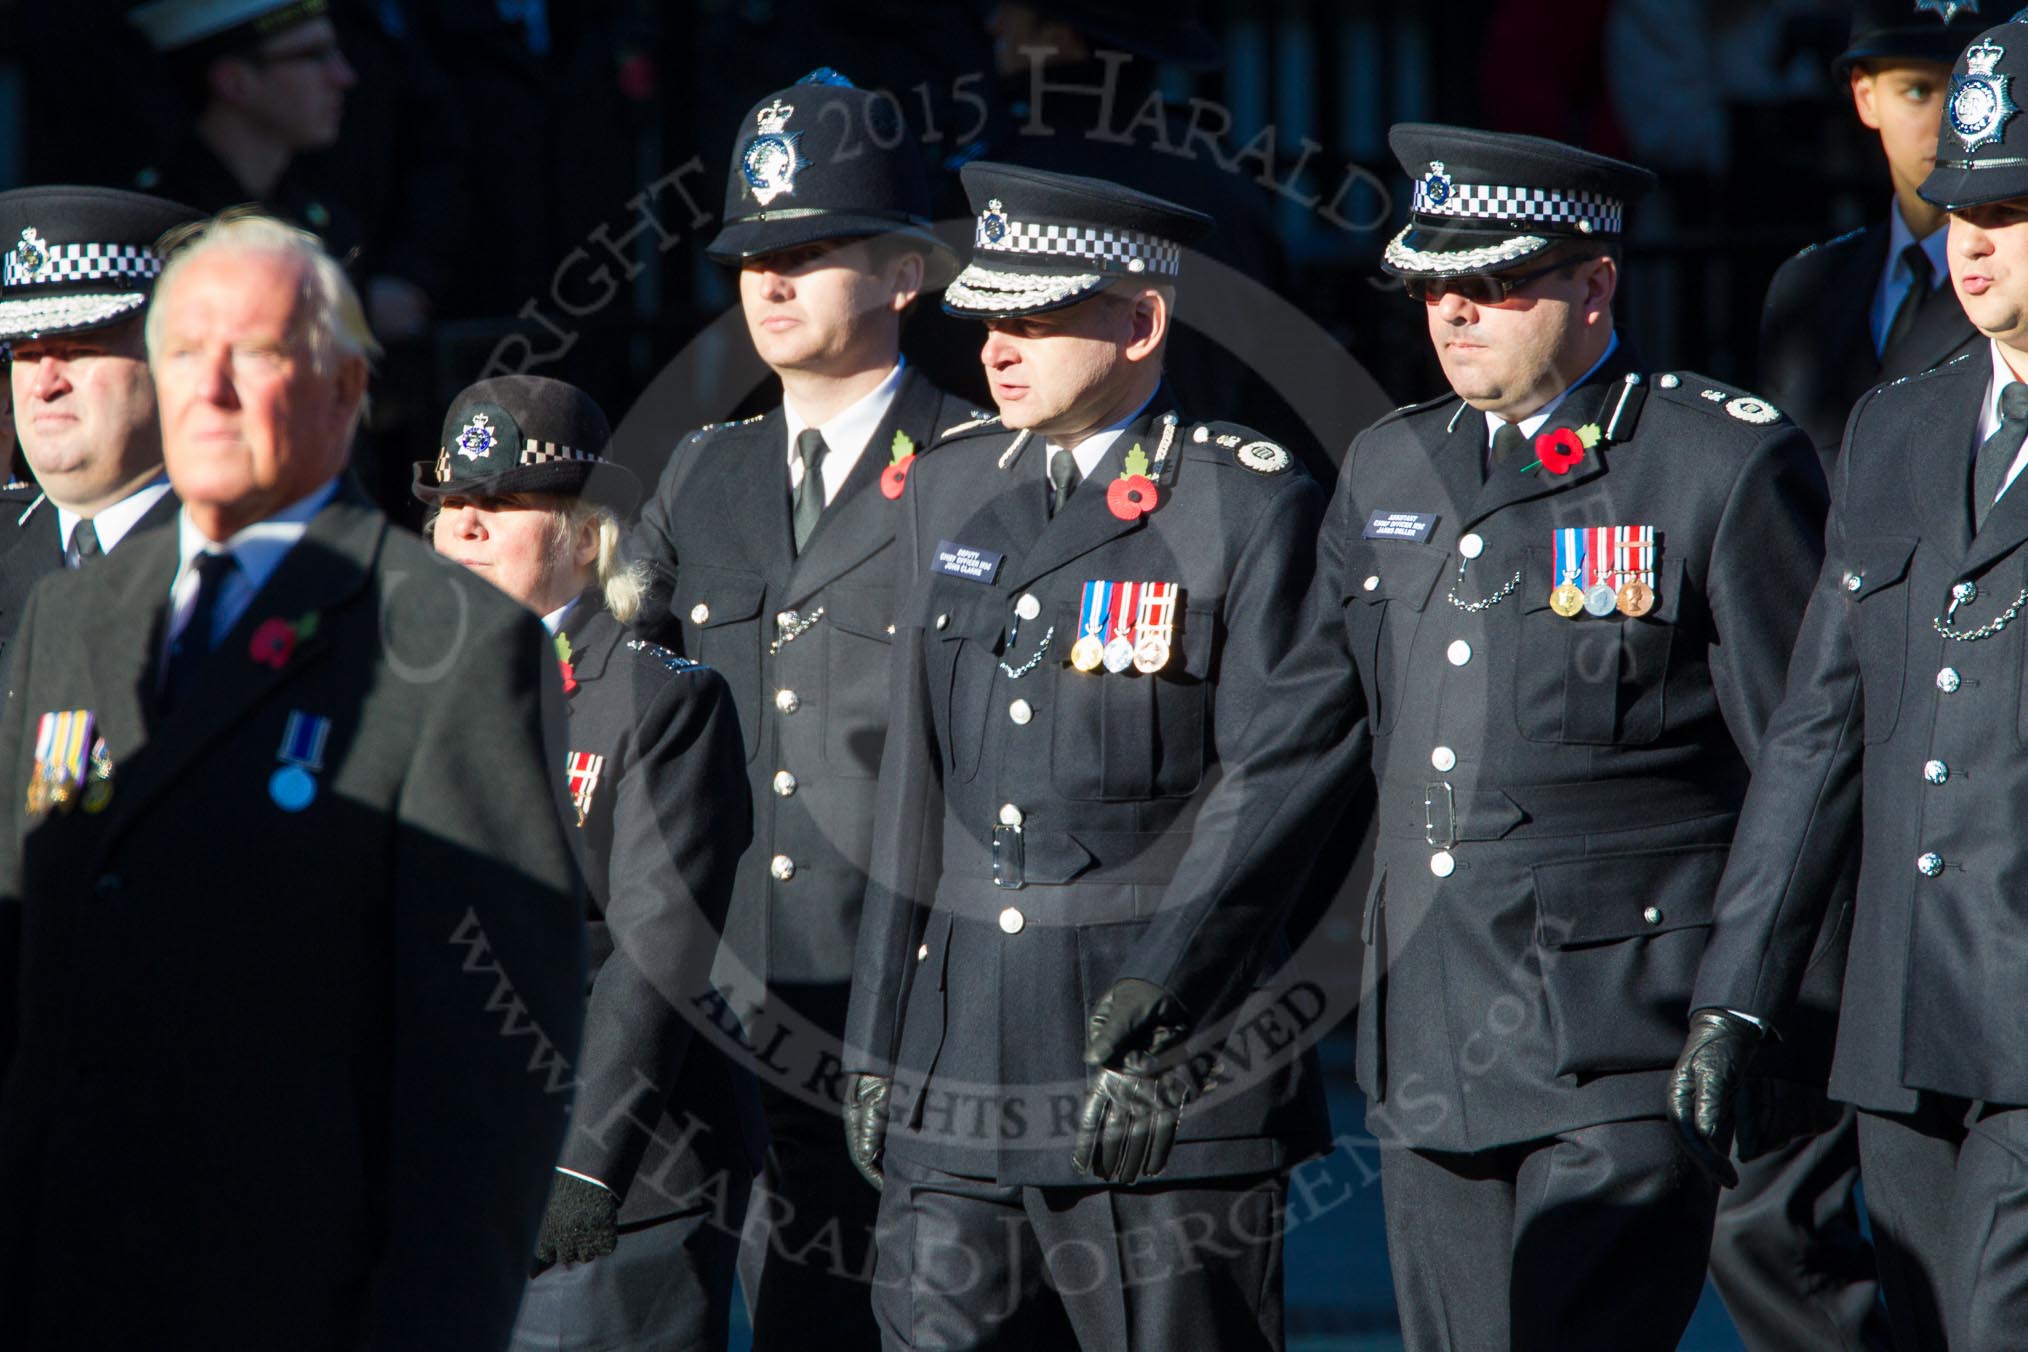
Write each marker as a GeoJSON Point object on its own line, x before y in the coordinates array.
{"type": "Point", "coordinates": [1904, 745]}
{"type": "Point", "coordinates": [33, 549]}
{"type": "Point", "coordinates": [1816, 335]}
{"type": "Point", "coordinates": [810, 688]}
{"type": "Point", "coordinates": [1034, 818]}
{"type": "Point", "coordinates": [1555, 795]}
{"type": "Point", "coordinates": [658, 785]}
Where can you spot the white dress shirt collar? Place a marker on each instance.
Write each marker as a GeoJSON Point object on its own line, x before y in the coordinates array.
{"type": "Point", "coordinates": [846, 433]}
{"type": "Point", "coordinates": [1533, 423]}
{"type": "Point", "coordinates": [257, 549]}
{"type": "Point", "coordinates": [113, 523]}
{"type": "Point", "coordinates": [1092, 449]}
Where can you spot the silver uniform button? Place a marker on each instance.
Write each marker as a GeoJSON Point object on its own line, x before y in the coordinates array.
{"type": "Point", "coordinates": [1028, 607]}
{"type": "Point", "coordinates": [1443, 863]}
{"type": "Point", "coordinates": [785, 783]}
{"type": "Point", "coordinates": [1936, 772]}
{"type": "Point", "coordinates": [786, 619]}
{"type": "Point", "coordinates": [1444, 759]}
{"type": "Point", "coordinates": [1471, 545]}
{"type": "Point", "coordinates": [783, 867]}
{"type": "Point", "coordinates": [1947, 680]}
{"type": "Point", "coordinates": [1853, 582]}
{"type": "Point", "coordinates": [1669, 382]}
{"type": "Point", "coordinates": [1011, 921]}
{"type": "Point", "coordinates": [922, 953]}
{"type": "Point", "coordinates": [1929, 865]}
{"type": "Point", "coordinates": [1653, 915]}
{"type": "Point", "coordinates": [700, 613]}
{"type": "Point", "coordinates": [1371, 584]}
{"type": "Point", "coordinates": [1965, 593]}
{"type": "Point", "coordinates": [1020, 711]}
{"type": "Point", "coordinates": [1459, 653]}
{"type": "Point", "coordinates": [1010, 815]}
{"type": "Point", "coordinates": [943, 622]}
{"type": "Point", "coordinates": [787, 701]}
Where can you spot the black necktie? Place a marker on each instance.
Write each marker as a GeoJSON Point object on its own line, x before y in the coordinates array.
{"type": "Point", "coordinates": [83, 546]}
{"type": "Point", "coordinates": [810, 493]}
{"type": "Point", "coordinates": [1916, 259]}
{"type": "Point", "coordinates": [192, 643]}
{"type": "Point", "coordinates": [1508, 443]}
{"type": "Point", "coordinates": [1063, 478]}
{"type": "Point", "coordinates": [1997, 452]}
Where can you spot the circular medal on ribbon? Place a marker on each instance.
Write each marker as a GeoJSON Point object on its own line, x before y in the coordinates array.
{"type": "Point", "coordinates": [1151, 655]}
{"type": "Point", "coordinates": [293, 788]}
{"type": "Point", "coordinates": [1087, 653]}
{"type": "Point", "coordinates": [1601, 600]}
{"type": "Point", "coordinates": [1636, 599]}
{"type": "Point", "coordinates": [1119, 655]}
{"type": "Point", "coordinates": [1567, 600]}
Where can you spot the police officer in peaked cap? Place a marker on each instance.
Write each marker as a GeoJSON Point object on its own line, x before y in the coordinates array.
{"type": "Point", "coordinates": [771, 545]}
{"type": "Point", "coordinates": [1096, 584]}
{"type": "Point", "coordinates": [1551, 614]}
{"type": "Point", "coordinates": [1874, 303]}
{"type": "Point", "coordinates": [1903, 723]}
{"type": "Point", "coordinates": [80, 264]}
{"type": "Point", "coordinates": [641, 1234]}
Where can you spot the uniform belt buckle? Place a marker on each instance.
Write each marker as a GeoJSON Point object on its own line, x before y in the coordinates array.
{"type": "Point", "coordinates": [1007, 858]}
{"type": "Point", "coordinates": [1439, 815]}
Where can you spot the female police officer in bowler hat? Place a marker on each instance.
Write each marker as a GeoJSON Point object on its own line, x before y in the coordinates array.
{"type": "Point", "coordinates": [638, 1245]}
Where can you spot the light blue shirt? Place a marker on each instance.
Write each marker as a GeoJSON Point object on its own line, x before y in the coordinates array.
{"type": "Point", "coordinates": [258, 550]}
{"type": "Point", "coordinates": [1896, 279]}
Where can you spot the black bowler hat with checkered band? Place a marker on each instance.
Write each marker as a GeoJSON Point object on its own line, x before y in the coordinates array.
{"type": "Point", "coordinates": [1486, 201]}
{"type": "Point", "coordinates": [1982, 144]}
{"type": "Point", "coordinates": [1044, 240]}
{"type": "Point", "coordinates": [526, 434]}
{"type": "Point", "coordinates": [79, 258]}
{"type": "Point", "coordinates": [825, 160]}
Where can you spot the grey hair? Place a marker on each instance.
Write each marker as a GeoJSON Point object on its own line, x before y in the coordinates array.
{"type": "Point", "coordinates": [331, 322]}
{"type": "Point", "coordinates": [625, 584]}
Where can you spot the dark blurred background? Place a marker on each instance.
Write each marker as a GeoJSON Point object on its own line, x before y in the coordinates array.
{"type": "Point", "coordinates": [498, 156]}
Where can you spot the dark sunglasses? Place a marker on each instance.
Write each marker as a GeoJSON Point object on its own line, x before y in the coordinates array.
{"type": "Point", "coordinates": [1480, 288]}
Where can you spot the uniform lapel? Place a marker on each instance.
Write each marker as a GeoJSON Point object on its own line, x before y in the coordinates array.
{"type": "Point", "coordinates": [858, 522]}
{"type": "Point", "coordinates": [757, 490]}
{"type": "Point", "coordinates": [1586, 404]}
{"type": "Point", "coordinates": [1086, 521]}
{"type": "Point", "coordinates": [1940, 329]}
{"type": "Point", "coordinates": [1942, 446]}
{"type": "Point", "coordinates": [1459, 458]}
{"type": "Point", "coordinates": [586, 630]}
{"type": "Point", "coordinates": [121, 633]}
{"type": "Point", "coordinates": [330, 564]}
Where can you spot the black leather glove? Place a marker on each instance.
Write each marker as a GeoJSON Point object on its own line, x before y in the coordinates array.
{"type": "Point", "coordinates": [1704, 1088]}
{"type": "Point", "coordinates": [1128, 1121]}
{"type": "Point", "coordinates": [582, 1222]}
{"type": "Point", "coordinates": [866, 1123]}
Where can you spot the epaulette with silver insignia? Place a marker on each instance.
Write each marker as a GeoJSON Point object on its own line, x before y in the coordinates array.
{"type": "Point", "coordinates": [1744, 408]}
{"type": "Point", "coordinates": [1257, 454]}
{"type": "Point", "coordinates": [978, 420]}
{"type": "Point", "coordinates": [655, 652]}
{"type": "Point", "coordinates": [708, 428]}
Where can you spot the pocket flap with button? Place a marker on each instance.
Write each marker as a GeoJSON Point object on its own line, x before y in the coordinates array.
{"type": "Point", "coordinates": [1397, 572]}
{"type": "Point", "coordinates": [1607, 897]}
{"type": "Point", "coordinates": [709, 597]}
{"type": "Point", "coordinates": [981, 616]}
{"type": "Point", "coordinates": [1866, 566]}
{"type": "Point", "coordinates": [868, 612]}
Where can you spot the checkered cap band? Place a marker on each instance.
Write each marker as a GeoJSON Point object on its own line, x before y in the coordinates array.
{"type": "Point", "coordinates": [57, 263]}
{"type": "Point", "coordinates": [532, 453]}
{"type": "Point", "coordinates": [1485, 201]}
{"type": "Point", "coordinates": [1120, 248]}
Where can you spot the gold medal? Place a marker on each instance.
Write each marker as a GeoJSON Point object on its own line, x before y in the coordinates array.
{"type": "Point", "coordinates": [1636, 599]}
{"type": "Point", "coordinates": [97, 794]}
{"type": "Point", "coordinates": [1087, 653]}
{"type": "Point", "coordinates": [38, 795]}
{"type": "Point", "coordinates": [1567, 600]}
